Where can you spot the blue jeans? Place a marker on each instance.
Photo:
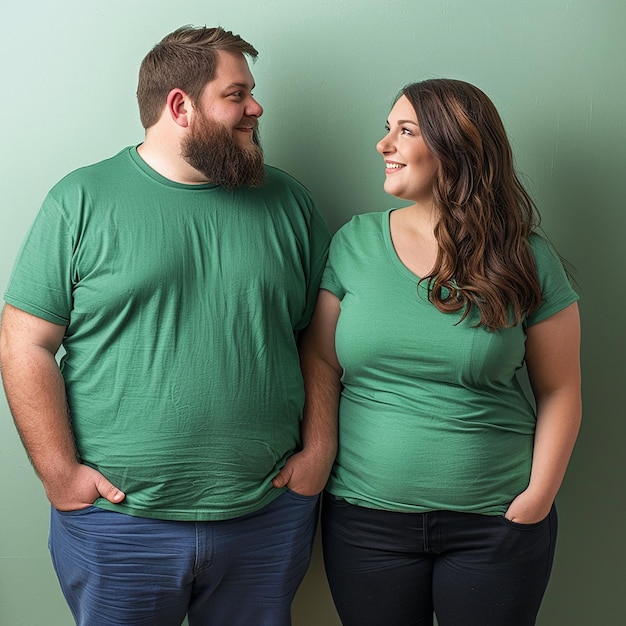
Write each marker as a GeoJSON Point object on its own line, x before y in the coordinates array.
{"type": "Point", "coordinates": [397, 569]}
{"type": "Point", "coordinates": [116, 569]}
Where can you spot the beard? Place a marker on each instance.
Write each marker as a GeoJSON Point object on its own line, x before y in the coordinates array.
{"type": "Point", "coordinates": [211, 148]}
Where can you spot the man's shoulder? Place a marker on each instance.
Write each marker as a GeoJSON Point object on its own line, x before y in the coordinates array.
{"type": "Point", "coordinates": [98, 171]}
{"type": "Point", "coordinates": [277, 179]}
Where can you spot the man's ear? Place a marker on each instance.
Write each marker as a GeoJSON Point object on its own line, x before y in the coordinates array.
{"type": "Point", "coordinates": [179, 107]}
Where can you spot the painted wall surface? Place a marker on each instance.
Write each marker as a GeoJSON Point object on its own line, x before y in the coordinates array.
{"type": "Point", "coordinates": [326, 75]}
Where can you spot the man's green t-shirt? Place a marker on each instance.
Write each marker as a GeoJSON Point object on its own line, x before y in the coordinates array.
{"type": "Point", "coordinates": [432, 416]}
{"type": "Point", "coordinates": [181, 303]}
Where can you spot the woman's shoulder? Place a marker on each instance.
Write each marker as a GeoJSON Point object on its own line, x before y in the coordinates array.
{"type": "Point", "coordinates": [362, 223]}
{"type": "Point", "coordinates": [543, 251]}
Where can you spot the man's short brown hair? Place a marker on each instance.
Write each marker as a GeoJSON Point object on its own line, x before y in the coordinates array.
{"type": "Point", "coordinates": [185, 59]}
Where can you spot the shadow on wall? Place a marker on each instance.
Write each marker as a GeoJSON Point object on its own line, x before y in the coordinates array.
{"type": "Point", "coordinates": [583, 191]}
{"type": "Point", "coordinates": [314, 592]}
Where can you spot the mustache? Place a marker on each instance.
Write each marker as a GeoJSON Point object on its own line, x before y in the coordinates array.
{"type": "Point", "coordinates": [252, 122]}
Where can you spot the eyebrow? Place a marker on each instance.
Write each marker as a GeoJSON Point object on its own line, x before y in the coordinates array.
{"type": "Point", "coordinates": [401, 122]}
{"type": "Point", "coordinates": [240, 85]}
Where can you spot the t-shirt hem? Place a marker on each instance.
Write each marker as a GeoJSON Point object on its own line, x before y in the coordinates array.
{"type": "Point", "coordinates": [332, 287]}
{"type": "Point", "coordinates": [201, 515]}
{"type": "Point", "coordinates": [556, 307]}
{"type": "Point", "coordinates": [492, 510]}
{"type": "Point", "coordinates": [35, 310]}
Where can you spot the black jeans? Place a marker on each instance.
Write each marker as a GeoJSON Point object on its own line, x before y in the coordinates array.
{"type": "Point", "coordinates": [397, 569]}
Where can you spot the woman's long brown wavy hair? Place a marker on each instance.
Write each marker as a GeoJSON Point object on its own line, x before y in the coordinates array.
{"type": "Point", "coordinates": [485, 214]}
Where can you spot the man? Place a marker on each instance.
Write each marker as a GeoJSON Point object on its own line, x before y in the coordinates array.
{"type": "Point", "coordinates": [177, 276]}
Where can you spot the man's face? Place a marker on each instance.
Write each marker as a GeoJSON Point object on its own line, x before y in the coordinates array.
{"type": "Point", "coordinates": [228, 100]}
{"type": "Point", "coordinates": [222, 140]}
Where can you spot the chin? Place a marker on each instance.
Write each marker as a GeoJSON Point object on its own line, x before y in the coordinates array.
{"type": "Point", "coordinates": [244, 139]}
{"type": "Point", "coordinates": [392, 191]}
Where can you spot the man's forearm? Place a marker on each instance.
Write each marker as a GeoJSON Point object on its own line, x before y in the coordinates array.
{"type": "Point", "coordinates": [319, 423]}
{"type": "Point", "coordinates": [35, 390]}
{"type": "Point", "coordinates": [36, 394]}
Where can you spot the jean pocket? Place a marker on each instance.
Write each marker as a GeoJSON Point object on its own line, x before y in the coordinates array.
{"type": "Point", "coordinates": [331, 501]}
{"type": "Point", "coordinates": [520, 526]}
{"type": "Point", "coordinates": [298, 496]}
{"type": "Point", "coordinates": [75, 512]}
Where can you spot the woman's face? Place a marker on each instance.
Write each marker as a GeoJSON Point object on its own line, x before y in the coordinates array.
{"type": "Point", "coordinates": [410, 166]}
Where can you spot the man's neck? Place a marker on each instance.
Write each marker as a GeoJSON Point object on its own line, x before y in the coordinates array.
{"type": "Point", "coordinates": [167, 161]}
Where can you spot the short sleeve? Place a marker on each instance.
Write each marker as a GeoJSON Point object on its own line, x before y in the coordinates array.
{"type": "Point", "coordinates": [41, 280]}
{"type": "Point", "coordinates": [318, 250]}
{"type": "Point", "coordinates": [330, 279]}
{"type": "Point", "coordinates": [557, 292]}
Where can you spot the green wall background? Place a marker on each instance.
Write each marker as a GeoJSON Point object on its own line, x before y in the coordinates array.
{"type": "Point", "coordinates": [326, 75]}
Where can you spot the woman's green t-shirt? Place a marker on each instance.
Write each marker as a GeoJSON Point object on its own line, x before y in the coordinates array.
{"type": "Point", "coordinates": [432, 415]}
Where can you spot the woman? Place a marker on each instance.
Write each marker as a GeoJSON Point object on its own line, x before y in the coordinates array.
{"type": "Point", "coordinates": [441, 498]}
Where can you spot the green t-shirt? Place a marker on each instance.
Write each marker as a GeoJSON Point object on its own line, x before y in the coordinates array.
{"type": "Point", "coordinates": [181, 304]}
{"type": "Point", "coordinates": [432, 416]}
